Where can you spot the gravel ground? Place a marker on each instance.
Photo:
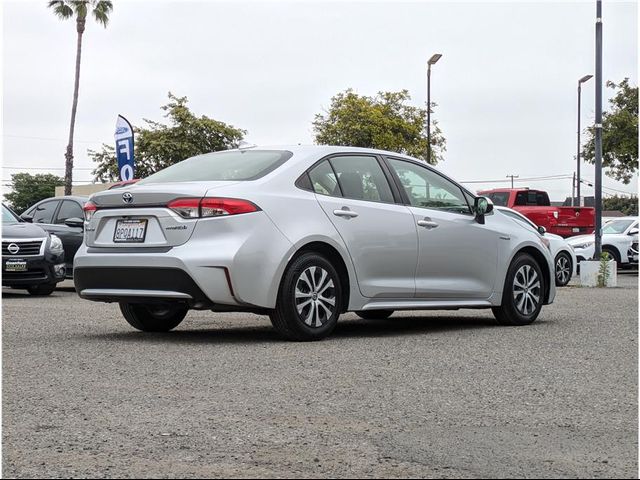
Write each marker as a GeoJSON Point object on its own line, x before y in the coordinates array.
{"type": "Point", "coordinates": [436, 394]}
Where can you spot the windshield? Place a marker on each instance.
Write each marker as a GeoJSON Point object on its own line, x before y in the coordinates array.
{"type": "Point", "coordinates": [235, 165]}
{"type": "Point", "coordinates": [617, 226]}
{"type": "Point", "coordinates": [499, 198]}
{"type": "Point", "coordinates": [8, 217]}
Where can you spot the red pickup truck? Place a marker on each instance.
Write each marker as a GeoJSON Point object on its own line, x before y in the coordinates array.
{"type": "Point", "coordinates": [535, 205]}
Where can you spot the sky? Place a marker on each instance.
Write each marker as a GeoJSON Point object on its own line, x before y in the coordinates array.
{"type": "Point", "coordinates": [505, 87]}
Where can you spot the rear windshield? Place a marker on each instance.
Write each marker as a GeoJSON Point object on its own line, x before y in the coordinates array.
{"type": "Point", "coordinates": [234, 165]}
{"type": "Point", "coordinates": [499, 198]}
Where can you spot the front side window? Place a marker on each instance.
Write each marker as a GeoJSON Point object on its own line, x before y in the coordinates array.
{"type": "Point", "coordinates": [69, 209]}
{"type": "Point", "coordinates": [362, 178]}
{"type": "Point", "coordinates": [44, 212]}
{"type": "Point", "coordinates": [231, 165]}
{"type": "Point", "coordinates": [427, 189]}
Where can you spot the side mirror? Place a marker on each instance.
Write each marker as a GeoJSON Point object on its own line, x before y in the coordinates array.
{"type": "Point", "coordinates": [27, 218]}
{"type": "Point", "coordinates": [633, 231]}
{"type": "Point", "coordinates": [482, 206]}
{"type": "Point", "coordinates": [74, 222]}
{"type": "Point", "coordinates": [542, 230]}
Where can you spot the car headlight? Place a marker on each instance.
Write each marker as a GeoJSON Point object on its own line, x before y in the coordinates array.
{"type": "Point", "coordinates": [583, 245]}
{"type": "Point", "coordinates": [55, 246]}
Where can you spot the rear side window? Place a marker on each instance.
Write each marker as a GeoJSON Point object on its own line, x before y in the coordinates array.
{"type": "Point", "coordinates": [231, 165]}
{"type": "Point", "coordinates": [44, 212]}
{"type": "Point", "coordinates": [323, 180]}
{"type": "Point", "coordinates": [362, 178]}
{"type": "Point", "coordinates": [69, 209]}
{"type": "Point", "coordinates": [532, 198]}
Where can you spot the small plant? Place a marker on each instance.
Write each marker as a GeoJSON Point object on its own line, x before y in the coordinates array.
{"type": "Point", "coordinates": [603, 273]}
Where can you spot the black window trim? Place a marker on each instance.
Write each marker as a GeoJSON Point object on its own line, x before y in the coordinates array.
{"type": "Point", "coordinates": [395, 192]}
{"type": "Point", "coordinates": [426, 166]}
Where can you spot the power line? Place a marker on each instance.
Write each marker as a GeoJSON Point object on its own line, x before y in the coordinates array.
{"type": "Point", "coordinates": [529, 179]}
{"type": "Point", "coordinates": [50, 139]}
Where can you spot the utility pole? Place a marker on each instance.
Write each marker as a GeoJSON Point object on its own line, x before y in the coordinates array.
{"type": "Point", "coordinates": [598, 128]}
{"type": "Point", "coordinates": [573, 191]}
{"type": "Point", "coordinates": [512, 177]}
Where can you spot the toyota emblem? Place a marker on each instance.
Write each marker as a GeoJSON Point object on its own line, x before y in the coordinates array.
{"type": "Point", "coordinates": [13, 248]}
{"type": "Point", "coordinates": [127, 197]}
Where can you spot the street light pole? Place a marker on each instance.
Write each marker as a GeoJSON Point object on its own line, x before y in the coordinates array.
{"type": "Point", "coordinates": [580, 82]}
{"type": "Point", "coordinates": [434, 58]}
{"type": "Point", "coordinates": [598, 131]}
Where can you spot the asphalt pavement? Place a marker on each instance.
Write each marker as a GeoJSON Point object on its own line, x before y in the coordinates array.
{"type": "Point", "coordinates": [424, 394]}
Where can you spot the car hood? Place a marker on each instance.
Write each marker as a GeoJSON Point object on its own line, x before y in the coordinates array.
{"type": "Point", "coordinates": [22, 230]}
{"type": "Point", "coordinates": [580, 239]}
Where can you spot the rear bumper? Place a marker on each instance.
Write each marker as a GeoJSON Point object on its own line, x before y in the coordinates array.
{"type": "Point", "coordinates": [233, 262]}
{"type": "Point", "coordinates": [567, 232]}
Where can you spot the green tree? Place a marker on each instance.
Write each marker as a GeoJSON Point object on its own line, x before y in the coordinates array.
{"type": "Point", "coordinates": [158, 145]}
{"type": "Point", "coordinates": [27, 189]}
{"type": "Point", "coordinates": [619, 134]}
{"type": "Point", "coordinates": [627, 205]}
{"type": "Point", "coordinates": [385, 121]}
{"type": "Point", "coordinates": [65, 9]}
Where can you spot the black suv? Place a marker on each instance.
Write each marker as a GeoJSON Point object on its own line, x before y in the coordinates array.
{"type": "Point", "coordinates": [31, 257]}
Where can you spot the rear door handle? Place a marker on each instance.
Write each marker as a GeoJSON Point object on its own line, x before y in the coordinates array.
{"type": "Point", "coordinates": [345, 212]}
{"type": "Point", "coordinates": [427, 224]}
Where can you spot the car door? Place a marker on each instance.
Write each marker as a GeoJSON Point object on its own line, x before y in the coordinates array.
{"type": "Point", "coordinates": [380, 234]}
{"type": "Point", "coordinates": [457, 255]}
{"type": "Point", "coordinates": [71, 236]}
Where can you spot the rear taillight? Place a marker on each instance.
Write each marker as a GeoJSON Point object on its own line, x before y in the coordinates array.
{"type": "Point", "coordinates": [89, 209]}
{"type": "Point", "coordinates": [211, 207]}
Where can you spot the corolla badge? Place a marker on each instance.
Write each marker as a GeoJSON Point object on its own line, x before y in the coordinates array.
{"type": "Point", "coordinates": [127, 197]}
{"type": "Point", "coordinates": [13, 248]}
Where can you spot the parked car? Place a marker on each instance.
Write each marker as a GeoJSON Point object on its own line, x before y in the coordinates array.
{"type": "Point", "coordinates": [62, 216]}
{"type": "Point", "coordinates": [31, 258]}
{"type": "Point", "coordinates": [536, 206]}
{"type": "Point", "coordinates": [303, 234]}
{"type": "Point", "coordinates": [564, 258]}
{"type": "Point", "coordinates": [618, 239]}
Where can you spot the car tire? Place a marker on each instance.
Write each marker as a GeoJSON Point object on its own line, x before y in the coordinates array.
{"type": "Point", "coordinates": [41, 290]}
{"type": "Point", "coordinates": [563, 267]}
{"type": "Point", "coordinates": [374, 314]}
{"type": "Point", "coordinates": [153, 317]}
{"type": "Point", "coordinates": [613, 254]}
{"type": "Point", "coordinates": [309, 299]}
{"type": "Point", "coordinates": [523, 284]}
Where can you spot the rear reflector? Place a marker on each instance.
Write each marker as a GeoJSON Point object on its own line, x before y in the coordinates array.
{"type": "Point", "coordinates": [211, 207]}
{"type": "Point", "coordinates": [89, 209]}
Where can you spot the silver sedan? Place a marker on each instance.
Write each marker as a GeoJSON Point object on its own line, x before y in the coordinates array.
{"type": "Point", "coordinates": [303, 234]}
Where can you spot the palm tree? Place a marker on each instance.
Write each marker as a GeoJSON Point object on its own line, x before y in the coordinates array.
{"type": "Point", "coordinates": [65, 9]}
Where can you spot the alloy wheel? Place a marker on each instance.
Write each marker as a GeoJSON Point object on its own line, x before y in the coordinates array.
{"type": "Point", "coordinates": [315, 296]}
{"type": "Point", "coordinates": [563, 271]}
{"type": "Point", "coordinates": [526, 290]}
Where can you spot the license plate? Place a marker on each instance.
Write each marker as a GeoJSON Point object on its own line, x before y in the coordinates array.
{"type": "Point", "coordinates": [576, 230]}
{"type": "Point", "coordinates": [15, 266]}
{"type": "Point", "coordinates": [130, 231]}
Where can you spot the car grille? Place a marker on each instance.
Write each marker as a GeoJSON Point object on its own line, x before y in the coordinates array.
{"type": "Point", "coordinates": [25, 248]}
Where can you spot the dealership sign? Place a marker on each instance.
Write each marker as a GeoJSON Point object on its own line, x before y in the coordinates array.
{"type": "Point", "coordinates": [124, 148]}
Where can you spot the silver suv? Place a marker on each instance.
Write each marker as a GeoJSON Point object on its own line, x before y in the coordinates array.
{"type": "Point", "coordinates": [303, 234]}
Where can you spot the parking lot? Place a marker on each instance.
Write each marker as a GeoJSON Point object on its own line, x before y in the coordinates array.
{"type": "Point", "coordinates": [435, 394]}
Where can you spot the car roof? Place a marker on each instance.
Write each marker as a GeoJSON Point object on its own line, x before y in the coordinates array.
{"type": "Point", "coordinates": [79, 198]}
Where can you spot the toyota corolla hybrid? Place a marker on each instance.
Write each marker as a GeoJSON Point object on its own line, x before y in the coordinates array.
{"type": "Point", "coordinates": [303, 234]}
